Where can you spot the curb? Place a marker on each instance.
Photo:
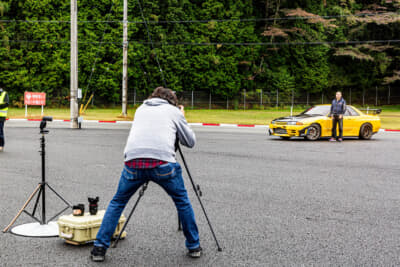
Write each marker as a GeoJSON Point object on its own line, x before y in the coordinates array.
{"type": "Point", "coordinates": [130, 122]}
{"type": "Point", "coordinates": [191, 124]}
{"type": "Point", "coordinates": [391, 130]}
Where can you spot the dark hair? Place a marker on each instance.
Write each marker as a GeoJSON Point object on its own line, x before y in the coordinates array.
{"type": "Point", "coordinates": [166, 94]}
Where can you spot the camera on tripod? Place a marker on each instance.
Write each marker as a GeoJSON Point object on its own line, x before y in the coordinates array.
{"type": "Point", "coordinates": [43, 124]}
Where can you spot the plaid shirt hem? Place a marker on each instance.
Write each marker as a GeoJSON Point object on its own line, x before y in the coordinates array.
{"type": "Point", "coordinates": [144, 163]}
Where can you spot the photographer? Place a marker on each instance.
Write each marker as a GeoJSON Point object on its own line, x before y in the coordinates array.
{"type": "Point", "coordinates": [150, 155]}
{"type": "Point", "coordinates": [4, 102]}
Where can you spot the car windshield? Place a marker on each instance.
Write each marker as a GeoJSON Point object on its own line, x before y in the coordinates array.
{"type": "Point", "coordinates": [317, 111]}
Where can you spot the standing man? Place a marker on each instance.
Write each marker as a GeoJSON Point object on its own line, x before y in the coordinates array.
{"type": "Point", "coordinates": [338, 108]}
{"type": "Point", "coordinates": [4, 102]}
{"type": "Point", "coordinates": [150, 156]}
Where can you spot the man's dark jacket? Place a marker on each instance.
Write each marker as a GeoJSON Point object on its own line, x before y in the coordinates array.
{"type": "Point", "coordinates": [338, 107]}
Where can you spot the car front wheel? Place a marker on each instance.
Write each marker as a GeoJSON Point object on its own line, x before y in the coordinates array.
{"type": "Point", "coordinates": [313, 132]}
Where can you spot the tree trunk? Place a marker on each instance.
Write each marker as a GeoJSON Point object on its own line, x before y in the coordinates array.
{"type": "Point", "coordinates": [278, 5]}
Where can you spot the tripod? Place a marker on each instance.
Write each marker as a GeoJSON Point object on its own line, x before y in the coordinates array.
{"type": "Point", "coordinates": [43, 227]}
{"type": "Point", "coordinates": [197, 191]}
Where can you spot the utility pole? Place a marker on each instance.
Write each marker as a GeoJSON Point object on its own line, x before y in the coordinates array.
{"type": "Point", "coordinates": [74, 65]}
{"type": "Point", "coordinates": [125, 62]}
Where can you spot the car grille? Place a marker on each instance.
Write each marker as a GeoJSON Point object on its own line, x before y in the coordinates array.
{"type": "Point", "coordinates": [280, 131]}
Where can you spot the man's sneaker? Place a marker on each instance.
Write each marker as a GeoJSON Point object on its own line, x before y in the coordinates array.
{"type": "Point", "coordinates": [98, 254]}
{"type": "Point", "coordinates": [332, 140]}
{"type": "Point", "coordinates": [195, 253]}
{"type": "Point", "coordinates": [340, 139]}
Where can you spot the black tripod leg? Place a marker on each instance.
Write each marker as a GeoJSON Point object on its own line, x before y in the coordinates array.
{"type": "Point", "coordinates": [209, 223]}
{"type": "Point", "coordinates": [198, 197]}
{"type": "Point", "coordinates": [141, 193]}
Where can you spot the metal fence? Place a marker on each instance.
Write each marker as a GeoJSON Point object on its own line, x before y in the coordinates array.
{"type": "Point", "coordinates": [260, 99]}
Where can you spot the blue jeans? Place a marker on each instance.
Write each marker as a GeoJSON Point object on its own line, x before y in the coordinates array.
{"type": "Point", "coordinates": [1, 133]}
{"type": "Point", "coordinates": [169, 177]}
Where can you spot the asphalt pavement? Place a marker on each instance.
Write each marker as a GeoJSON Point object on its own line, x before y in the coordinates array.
{"type": "Point", "coordinates": [271, 202]}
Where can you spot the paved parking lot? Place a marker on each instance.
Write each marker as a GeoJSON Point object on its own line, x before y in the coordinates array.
{"type": "Point", "coordinates": [271, 202]}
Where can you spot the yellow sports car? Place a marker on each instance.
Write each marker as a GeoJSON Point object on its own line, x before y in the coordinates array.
{"type": "Point", "coordinates": [315, 123]}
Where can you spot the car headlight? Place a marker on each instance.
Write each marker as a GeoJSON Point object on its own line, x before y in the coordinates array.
{"type": "Point", "coordinates": [272, 122]}
{"type": "Point", "coordinates": [294, 123]}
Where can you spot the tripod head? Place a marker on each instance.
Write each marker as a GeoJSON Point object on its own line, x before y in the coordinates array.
{"type": "Point", "coordinates": [43, 124]}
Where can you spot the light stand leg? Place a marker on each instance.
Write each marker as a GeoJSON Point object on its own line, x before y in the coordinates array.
{"type": "Point", "coordinates": [33, 217]}
{"type": "Point", "coordinates": [59, 213]}
{"type": "Point", "coordinates": [198, 193]}
{"type": "Point", "coordinates": [59, 196]}
{"type": "Point", "coordinates": [22, 209]}
{"type": "Point", "coordinates": [141, 193]}
{"type": "Point", "coordinates": [36, 202]}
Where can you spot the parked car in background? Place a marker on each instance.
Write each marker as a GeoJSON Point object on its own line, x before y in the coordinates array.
{"type": "Point", "coordinates": [315, 123]}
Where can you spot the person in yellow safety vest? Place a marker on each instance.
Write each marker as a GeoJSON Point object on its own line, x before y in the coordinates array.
{"type": "Point", "coordinates": [4, 102]}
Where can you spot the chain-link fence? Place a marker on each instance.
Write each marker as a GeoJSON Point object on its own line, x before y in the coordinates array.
{"type": "Point", "coordinates": [260, 99]}
{"type": "Point", "coordinates": [245, 99]}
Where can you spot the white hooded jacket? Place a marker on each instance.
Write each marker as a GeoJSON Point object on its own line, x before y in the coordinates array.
{"type": "Point", "coordinates": [155, 127]}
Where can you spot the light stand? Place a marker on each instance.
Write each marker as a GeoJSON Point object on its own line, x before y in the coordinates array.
{"type": "Point", "coordinates": [43, 227]}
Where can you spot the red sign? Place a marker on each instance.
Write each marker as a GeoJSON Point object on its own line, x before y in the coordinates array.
{"type": "Point", "coordinates": [35, 99]}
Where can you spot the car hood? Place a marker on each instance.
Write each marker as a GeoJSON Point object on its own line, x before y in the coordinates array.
{"type": "Point", "coordinates": [294, 118]}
